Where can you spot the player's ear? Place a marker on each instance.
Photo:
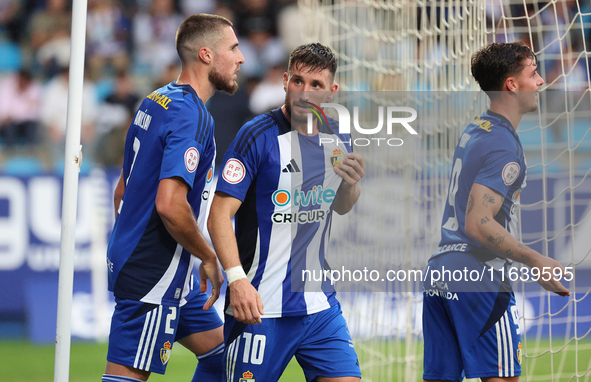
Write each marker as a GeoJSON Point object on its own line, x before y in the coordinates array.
{"type": "Point", "coordinates": [511, 84]}
{"type": "Point", "coordinates": [285, 81]}
{"type": "Point", "coordinates": [205, 55]}
{"type": "Point", "coordinates": [333, 89]}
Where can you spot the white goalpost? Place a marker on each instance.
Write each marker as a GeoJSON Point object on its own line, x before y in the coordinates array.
{"type": "Point", "coordinates": [413, 45]}
{"type": "Point", "coordinates": [73, 159]}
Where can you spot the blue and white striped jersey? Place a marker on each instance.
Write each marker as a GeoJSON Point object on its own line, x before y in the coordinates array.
{"type": "Point", "coordinates": [287, 184]}
{"type": "Point", "coordinates": [489, 153]}
{"type": "Point", "coordinates": [171, 136]}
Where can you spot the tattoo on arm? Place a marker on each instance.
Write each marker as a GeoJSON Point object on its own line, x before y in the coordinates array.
{"type": "Point", "coordinates": [495, 241]}
{"type": "Point", "coordinates": [484, 220]}
{"type": "Point", "coordinates": [487, 198]}
{"type": "Point", "coordinates": [509, 253]}
{"type": "Point", "coordinates": [470, 204]}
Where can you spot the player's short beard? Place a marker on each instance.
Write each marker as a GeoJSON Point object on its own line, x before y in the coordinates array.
{"type": "Point", "coordinates": [221, 83]}
{"type": "Point", "coordinates": [293, 117]}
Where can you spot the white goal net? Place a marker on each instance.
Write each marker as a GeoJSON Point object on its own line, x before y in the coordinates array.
{"type": "Point", "coordinates": [416, 46]}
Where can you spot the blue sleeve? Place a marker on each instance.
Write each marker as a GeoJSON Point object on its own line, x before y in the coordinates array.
{"type": "Point", "coordinates": [498, 171]}
{"type": "Point", "coordinates": [181, 151]}
{"type": "Point", "coordinates": [240, 167]}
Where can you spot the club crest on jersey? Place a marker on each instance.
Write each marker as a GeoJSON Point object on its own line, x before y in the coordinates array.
{"type": "Point", "coordinates": [191, 159]}
{"type": "Point", "coordinates": [247, 376]}
{"type": "Point", "coordinates": [165, 352]}
{"type": "Point", "coordinates": [337, 157]}
{"type": "Point", "coordinates": [233, 171]}
{"type": "Point", "coordinates": [510, 173]}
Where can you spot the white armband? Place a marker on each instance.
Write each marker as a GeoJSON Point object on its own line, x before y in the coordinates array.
{"type": "Point", "coordinates": [235, 274]}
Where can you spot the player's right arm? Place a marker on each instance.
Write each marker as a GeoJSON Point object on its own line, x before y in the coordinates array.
{"type": "Point", "coordinates": [118, 195]}
{"type": "Point", "coordinates": [483, 205]}
{"type": "Point", "coordinates": [178, 218]}
{"type": "Point", "coordinates": [245, 300]}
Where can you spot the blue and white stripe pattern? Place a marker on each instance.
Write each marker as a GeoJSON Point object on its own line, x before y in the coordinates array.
{"type": "Point", "coordinates": [145, 349]}
{"type": "Point", "coordinates": [506, 359]}
{"type": "Point", "coordinates": [215, 351]}
{"type": "Point", "coordinates": [231, 356]}
{"type": "Point", "coordinates": [118, 378]}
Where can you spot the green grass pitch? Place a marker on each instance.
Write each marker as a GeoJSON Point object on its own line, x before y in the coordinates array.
{"type": "Point", "coordinates": [24, 362]}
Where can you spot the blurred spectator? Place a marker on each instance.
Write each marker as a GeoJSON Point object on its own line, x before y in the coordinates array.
{"type": "Point", "coordinates": [192, 7]}
{"type": "Point", "coordinates": [45, 22]}
{"type": "Point", "coordinates": [260, 50]}
{"type": "Point", "coordinates": [107, 37]}
{"type": "Point", "coordinates": [166, 76]}
{"type": "Point", "coordinates": [19, 109]}
{"type": "Point", "coordinates": [255, 15]}
{"type": "Point", "coordinates": [124, 93]}
{"type": "Point", "coordinates": [54, 107]}
{"type": "Point", "coordinates": [227, 124]}
{"type": "Point", "coordinates": [269, 93]}
{"type": "Point", "coordinates": [115, 115]}
{"type": "Point", "coordinates": [154, 35]}
{"type": "Point", "coordinates": [49, 30]}
{"type": "Point", "coordinates": [290, 26]}
{"type": "Point", "coordinates": [256, 25]}
{"type": "Point", "coordinates": [55, 53]}
{"type": "Point", "coordinates": [8, 18]}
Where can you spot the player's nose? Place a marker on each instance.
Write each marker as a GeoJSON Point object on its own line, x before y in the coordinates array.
{"type": "Point", "coordinates": [240, 58]}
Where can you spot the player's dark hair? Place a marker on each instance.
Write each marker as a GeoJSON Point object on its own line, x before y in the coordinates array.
{"type": "Point", "coordinates": [496, 62]}
{"type": "Point", "coordinates": [314, 57]}
{"type": "Point", "coordinates": [194, 28]}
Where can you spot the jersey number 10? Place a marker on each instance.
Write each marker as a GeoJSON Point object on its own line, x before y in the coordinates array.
{"type": "Point", "coordinates": [452, 221]}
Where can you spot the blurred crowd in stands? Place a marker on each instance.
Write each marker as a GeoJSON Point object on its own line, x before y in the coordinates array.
{"type": "Point", "coordinates": [130, 51]}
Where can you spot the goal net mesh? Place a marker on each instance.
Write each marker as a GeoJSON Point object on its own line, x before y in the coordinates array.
{"type": "Point", "coordinates": [416, 46]}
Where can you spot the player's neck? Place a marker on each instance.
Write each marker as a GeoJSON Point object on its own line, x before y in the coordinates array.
{"type": "Point", "coordinates": [507, 110]}
{"type": "Point", "coordinates": [199, 82]}
{"type": "Point", "coordinates": [301, 128]}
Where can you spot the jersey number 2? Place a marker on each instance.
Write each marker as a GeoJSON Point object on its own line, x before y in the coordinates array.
{"type": "Point", "coordinates": [452, 222]}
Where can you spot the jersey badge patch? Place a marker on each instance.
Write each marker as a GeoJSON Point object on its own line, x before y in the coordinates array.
{"type": "Point", "coordinates": [510, 173]}
{"type": "Point", "coordinates": [233, 171]}
{"type": "Point", "coordinates": [247, 376]}
{"type": "Point", "coordinates": [191, 159]}
{"type": "Point", "coordinates": [165, 352]}
{"type": "Point", "coordinates": [337, 157]}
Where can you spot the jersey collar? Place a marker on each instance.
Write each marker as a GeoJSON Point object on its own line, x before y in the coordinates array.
{"type": "Point", "coordinates": [188, 89]}
{"type": "Point", "coordinates": [502, 120]}
{"type": "Point", "coordinates": [282, 122]}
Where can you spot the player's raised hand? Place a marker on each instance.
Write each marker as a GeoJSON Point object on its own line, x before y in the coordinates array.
{"type": "Point", "coordinates": [548, 270]}
{"type": "Point", "coordinates": [246, 302]}
{"type": "Point", "coordinates": [352, 169]}
{"type": "Point", "coordinates": [211, 271]}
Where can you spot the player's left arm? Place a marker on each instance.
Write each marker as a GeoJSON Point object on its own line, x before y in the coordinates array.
{"type": "Point", "coordinates": [119, 191]}
{"type": "Point", "coordinates": [483, 205]}
{"type": "Point", "coordinates": [352, 169]}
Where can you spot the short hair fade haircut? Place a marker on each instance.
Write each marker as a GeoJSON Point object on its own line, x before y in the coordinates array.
{"type": "Point", "coordinates": [496, 62]}
{"type": "Point", "coordinates": [201, 29]}
{"type": "Point", "coordinates": [314, 57]}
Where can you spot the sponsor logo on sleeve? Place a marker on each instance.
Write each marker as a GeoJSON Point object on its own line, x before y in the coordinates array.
{"type": "Point", "coordinates": [191, 159]}
{"type": "Point", "coordinates": [233, 171]}
{"type": "Point", "coordinates": [210, 174]}
{"type": "Point", "coordinates": [510, 173]}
